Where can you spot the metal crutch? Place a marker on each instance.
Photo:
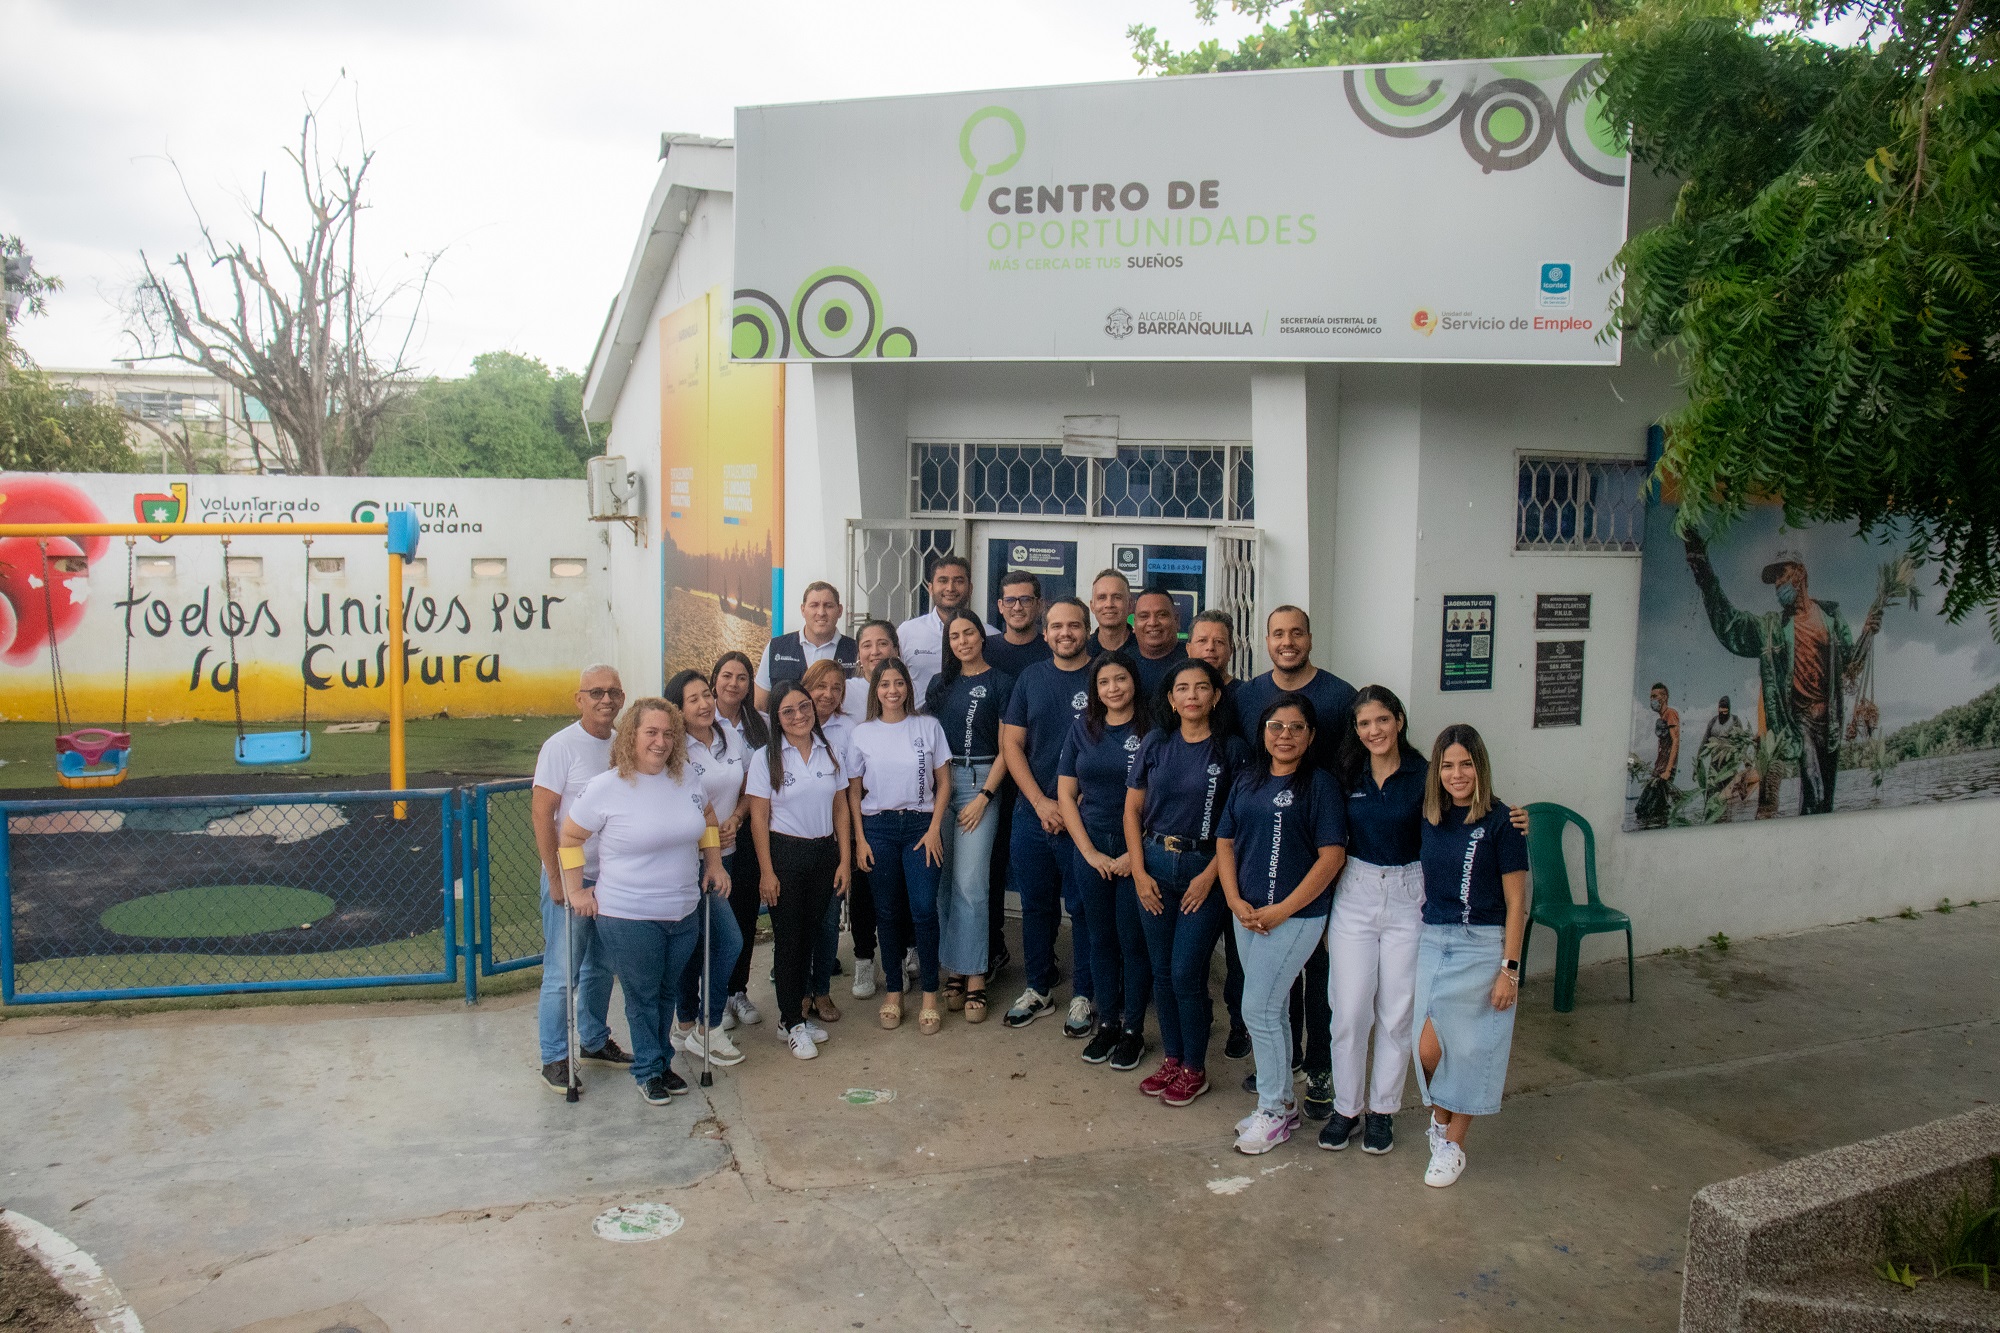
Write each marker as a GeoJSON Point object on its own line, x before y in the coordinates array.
{"type": "Point", "coordinates": [707, 1057]}
{"type": "Point", "coordinates": [575, 1090]}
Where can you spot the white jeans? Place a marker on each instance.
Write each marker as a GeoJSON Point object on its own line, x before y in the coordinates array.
{"type": "Point", "coordinates": [1371, 943]}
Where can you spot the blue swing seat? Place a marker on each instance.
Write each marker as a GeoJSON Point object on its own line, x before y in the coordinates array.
{"type": "Point", "coordinates": [274, 747]}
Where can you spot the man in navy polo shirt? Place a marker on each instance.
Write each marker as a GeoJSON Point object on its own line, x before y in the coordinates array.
{"type": "Point", "coordinates": [1020, 643]}
{"type": "Point", "coordinates": [1288, 641]}
{"type": "Point", "coordinates": [1048, 699]}
{"type": "Point", "coordinates": [1156, 628]}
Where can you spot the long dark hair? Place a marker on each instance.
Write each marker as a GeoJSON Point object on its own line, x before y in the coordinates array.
{"type": "Point", "coordinates": [951, 668]}
{"type": "Point", "coordinates": [1164, 701]}
{"type": "Point", "coordinates": [774, 749]}
{"type": "Point", "coordinates": [874, 708]}
{"type": "Point", "coordinates": [1094, 715]}
{"type": "Point", "coordinates": [1354, 757]}
{"type": "Point", "coordinates": [1300, 781]}
{"type": "Point", "coordinates": [755, 733]}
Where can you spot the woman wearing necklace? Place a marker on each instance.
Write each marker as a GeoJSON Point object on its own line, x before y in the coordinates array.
{"type": "Point", "coordinates": [967, 698]}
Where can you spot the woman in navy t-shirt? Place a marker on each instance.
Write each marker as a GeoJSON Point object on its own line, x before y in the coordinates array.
{"type": "Point", "coordinates": [1176, 793]}
{"type": "Point", "coordinates": [1469, 959]}
{"type": "Point", "coordinates": [1097, 758]}
{"type": "Point", "coordinates": [967, 697]}
{"type": "Point", "coordinates": [1279, 846]}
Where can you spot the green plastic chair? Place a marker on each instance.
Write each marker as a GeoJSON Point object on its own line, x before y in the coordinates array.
{"type": "Point", "coordinates": [1556, 907]}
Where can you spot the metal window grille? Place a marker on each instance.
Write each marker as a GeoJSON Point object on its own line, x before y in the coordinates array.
{"type": "Point", "coordinates": [888, 561]}
{"type": "Point", "coordinates": [1232, 575]}
{"type": "Point", "coordinates": [1580, 504]}
{"type": "Point", "coordinates": [1194, 483]}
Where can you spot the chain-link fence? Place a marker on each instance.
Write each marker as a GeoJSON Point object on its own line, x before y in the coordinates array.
{"type": "Point", "coordinates": [123, 898]}
{"type": "Point", "coordinates": [508, 876]}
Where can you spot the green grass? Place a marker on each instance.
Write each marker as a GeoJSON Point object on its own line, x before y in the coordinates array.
{"type": "Point", "coordinates": [216, 911]}
{"type": "Point", "coordinates": [474, 747]}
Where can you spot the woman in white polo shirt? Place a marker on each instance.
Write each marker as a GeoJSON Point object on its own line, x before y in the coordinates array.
{"type": "Point", "coordinates": [798, 822]}
{"type": "Point", "coordinates": [893, 760]}
{"type": "Point", "coordinates": [658, 846]}
{"type": "Point", "coordinates": [716, 755]}
{"type": "Point", "coordinates": [826, 682]}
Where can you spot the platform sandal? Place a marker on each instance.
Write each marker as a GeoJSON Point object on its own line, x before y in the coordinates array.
{"type": "Point", "coordinates": [891, 1012]}
{"type": "Point", "coordinates": [975, 1005]}
{"type": "Point", "coordinates": [929, 1020]}
{"type": "Point", "coordinates": [954, 993]}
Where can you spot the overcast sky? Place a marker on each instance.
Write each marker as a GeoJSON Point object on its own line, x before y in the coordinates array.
{"type": "Point", "coordinates": [521, 139]}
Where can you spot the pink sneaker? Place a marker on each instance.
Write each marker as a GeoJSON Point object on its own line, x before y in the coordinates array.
{"type": "Point", "coordinates": [1264, 1130]}
{"type": "Point", "coordinates": [1187, 1086]}
{"type": "Point", "coordinates": [1162, 1078]}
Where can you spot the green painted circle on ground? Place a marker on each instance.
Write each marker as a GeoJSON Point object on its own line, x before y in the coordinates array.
{"type": "Point", "coordinates": [215, 911]}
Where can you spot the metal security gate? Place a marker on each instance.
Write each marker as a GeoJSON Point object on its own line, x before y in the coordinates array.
{"type": "Point", "coordinates": [887, 560]}
{"type": "Point", "coordinates": [1233, 568]}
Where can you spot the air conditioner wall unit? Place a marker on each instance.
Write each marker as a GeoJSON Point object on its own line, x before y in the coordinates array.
{"type": "Point", "coordinates": [615, 493]}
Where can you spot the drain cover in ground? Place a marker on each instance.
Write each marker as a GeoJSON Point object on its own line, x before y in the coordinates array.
{"type": "Point", "coordinates": [637, 1222]}
{"type": "Point", "coordinates": [217, 911]}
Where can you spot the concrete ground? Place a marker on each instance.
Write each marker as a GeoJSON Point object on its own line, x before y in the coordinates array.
{"type": "Point", "coordinates": [396, 1166]}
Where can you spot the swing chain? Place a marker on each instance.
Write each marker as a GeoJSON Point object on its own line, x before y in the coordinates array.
{"type": "Point", "coordinates": [305, 633]}
{"type": "Point", "coordinates": [55, 658]}
{"type": "Point", "coordinates": [131, 578]}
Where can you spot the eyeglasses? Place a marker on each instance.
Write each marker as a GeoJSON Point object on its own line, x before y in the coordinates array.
{"type": "Point", "coordinates": [1018, 602]}
{"type": "Point", "coordinates": [1276, 727]}
{"type": "Point", "coordinates": [600, 695]}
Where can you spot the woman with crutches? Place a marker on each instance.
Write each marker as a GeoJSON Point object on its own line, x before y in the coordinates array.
{"type": "Point", "coordinates": [716, 756]}
{"type": "Point", "coordinates": [659, 846]}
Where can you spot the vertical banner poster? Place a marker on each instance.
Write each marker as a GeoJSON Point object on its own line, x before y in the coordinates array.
{"type": "Point", "coordinates": [1559, 683]}
{"type": "Point", "coordinates": [1467, 660]}
{"type": "Point", "coordinates": [722, 435]}
{"type": "Point", "coordinates": [1801, 671]}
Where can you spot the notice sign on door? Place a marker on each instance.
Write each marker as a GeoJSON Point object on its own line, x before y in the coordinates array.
{"type": "Point", "coordinates": [1559, 683]}
{"type": "Point", "coordinates": [1562, 610]}
{"type": "Point", "coordinates": [1054, 563]}
{"type": "Point", "coordinates": [1467, 663]}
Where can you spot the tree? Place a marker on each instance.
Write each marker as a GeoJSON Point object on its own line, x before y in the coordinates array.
{"type": "Point", "coordinates": [509, 418]}
{"type": "Point", "coordinates": [288, 318]}
{"type": "Point", "coordinates": [47, 427]}
{"type": "Point", "coordinates": [1829, 281]}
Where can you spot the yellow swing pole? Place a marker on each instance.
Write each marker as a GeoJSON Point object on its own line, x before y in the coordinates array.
{"type": "Point", "coordinates": [398, 758]}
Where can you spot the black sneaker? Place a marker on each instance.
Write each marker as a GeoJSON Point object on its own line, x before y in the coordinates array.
{"type": "Point", "coordinates": [997, 961]}
{"type": "Point", "coordinates": [1378, 1133]}
{"type": "Point", "coordinates": [1103, 1044]}
{"type": "Point", "coordinates": [1238, 1044]}
{"type": "Point", "coordinates": [610, 1053]}
{"type": "Point", "coordinates": [1250, 1083]}
{"type": "Point", "coordinates": [1319, 1096]}
{"type": "Point", "coordinates": [1130, 1050]}
{"type": "Point", "coordinates": [658, 1089]}
{"type": "Point", "coordinates": [555, 1077]}
{"type": "Point", "coordinates": [1333, 1136]}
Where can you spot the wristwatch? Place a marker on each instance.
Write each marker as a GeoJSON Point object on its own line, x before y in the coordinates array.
{"type": "Point", "coordinates": [1512, 967]}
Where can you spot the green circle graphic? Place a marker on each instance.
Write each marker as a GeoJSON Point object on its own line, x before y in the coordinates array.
{"type": "Point", "coordinates": [1506, 126]}
{"type": "Point", "coordinates": [746, 341]}
{"type": "Point", "coordinates": [216, 911]}
{"type": "Point", "coordinates": [1407, 82]}
{"type": "Point", "coordinates": [835, 316]}
{"type": "Point", "coordinates": [1603, 134]}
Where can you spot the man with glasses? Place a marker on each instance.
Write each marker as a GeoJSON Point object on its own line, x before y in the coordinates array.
{"type": "Point", "coordinates": [568, 760]}
{"type": "Point", "coordinates": [1288, 642]}
{"type": "Point", "coordinates": [1019, 644]}
{"type": "Point", "coordinates": [922, 637]}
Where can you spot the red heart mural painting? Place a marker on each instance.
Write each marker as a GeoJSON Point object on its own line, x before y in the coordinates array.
{"type": "Point", "coordinates": [25, 604]}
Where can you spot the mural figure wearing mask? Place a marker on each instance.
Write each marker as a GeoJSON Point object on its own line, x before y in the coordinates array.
{"type": "Point", "coordinates": [1805, 652]}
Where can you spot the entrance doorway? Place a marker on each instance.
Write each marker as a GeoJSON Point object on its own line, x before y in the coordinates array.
{"type": "Point", "coordinates": [1067, 557]}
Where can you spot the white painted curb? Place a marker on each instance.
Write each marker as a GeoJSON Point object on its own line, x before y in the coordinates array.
{"type": "Point", "coordinates": [98, 1296]}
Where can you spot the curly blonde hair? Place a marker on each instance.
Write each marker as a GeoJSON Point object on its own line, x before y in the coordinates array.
{"type": "Point", "coordinates": [625, 740]}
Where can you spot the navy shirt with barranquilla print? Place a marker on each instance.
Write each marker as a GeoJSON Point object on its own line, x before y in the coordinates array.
{"type": "Point", "coordinates": [970, 710]}
{"type": "Point", "coordinates": [1332, 699]}
{"type": "Point", "coordinates": [1186, 783]}
{"type": "Point", "coordinates": [1276, 828]}
{"type": "Point", "coordinates": [1463, 863]}
{"type": "Point", "coordinates": [1100, 768]}
{"type": "Point", "coordinates": [1383, 820]}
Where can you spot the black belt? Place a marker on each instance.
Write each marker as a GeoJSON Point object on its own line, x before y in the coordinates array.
{"type": "Point", "coordinates": [1198, 846]}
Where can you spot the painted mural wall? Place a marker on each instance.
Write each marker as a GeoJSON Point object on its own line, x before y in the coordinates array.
{"type": "Point", "coordinates": [722, 436]}
{"type": "Point", "coordinates": [505, 601]}
{"type": "Point", "coordinates": [1787, 672]}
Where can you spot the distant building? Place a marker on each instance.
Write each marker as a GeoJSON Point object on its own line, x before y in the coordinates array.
{"type": "Point", "coordinates": [183, 420]}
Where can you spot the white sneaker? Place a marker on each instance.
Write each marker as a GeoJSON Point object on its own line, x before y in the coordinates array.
{"type": "Point", "coordinates": [746, 1012]}
{"type": "Point", "coordinates": [864, 978]}
{"type": "Point", "coordinates": [1447, 1164]}
{"type": "Point", "coordinates": [728, 1017]}
{"type": "Point", "coordinates": [1265, 1131]}
{"type": "Point", "coordinates": [818, 1033]}
{"type": "Point", "coordinates": [1433, 1131]}
{"type": "Point", "coordinates": [911, 965]}
{"type": "Point", "coordinates": [685, 1039]}
{"type": "Point", "coordinates": [801, 1042]}
{"type": "Point", "coordinates": [721, 1050]}
{"type": "Point", "coordinates": [1082, 1019]}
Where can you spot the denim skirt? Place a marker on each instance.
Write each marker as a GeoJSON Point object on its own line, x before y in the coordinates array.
{"type": "Point", "coordinates": [1456, 967]}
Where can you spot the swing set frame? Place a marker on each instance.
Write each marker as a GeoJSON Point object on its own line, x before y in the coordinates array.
{"type": "Point", "coordinates": [399, 528]}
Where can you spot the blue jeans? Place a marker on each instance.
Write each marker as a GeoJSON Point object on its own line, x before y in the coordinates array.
{"type": "Point", "coordinates": [649, 957]}
{"type": "Point", "coordinates": [1121, 976]}
{"type": "Point", "coordinates": [593, 983]}
{"type": "Point", "coordinates": [1180, 946]}
{"type": "Point", "coordinates": [904, 881]}
{"type": "Point", "coordinates": [725, 941]}
{"type": "Point", "coordinates": [962, 912]}
{"type": "Point", "coordinates": [1042, 869]}
{"type": "Point", "coordinates": [1271, 962]}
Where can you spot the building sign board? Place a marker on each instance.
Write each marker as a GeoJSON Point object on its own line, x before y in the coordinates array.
{"type": "Point", "coordinates": [1467, 660]}
{"type": "Point", "coordinates": [1453, 211]}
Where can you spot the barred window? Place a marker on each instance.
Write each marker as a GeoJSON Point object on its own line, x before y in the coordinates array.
{"type": "Point", "coordinates": [1026, 479]}
{"type": "Point", "coordinates": [1201, 483]}
{"type": "Point", "coordinates": [1580, 504]}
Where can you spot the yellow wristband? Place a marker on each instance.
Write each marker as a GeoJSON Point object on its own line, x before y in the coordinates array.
{"type": "Point", "coordinates": [570, 858]}
{"type": "Point", "coordinates": [711, 837]}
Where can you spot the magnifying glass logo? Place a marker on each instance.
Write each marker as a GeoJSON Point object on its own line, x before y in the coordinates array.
{"type": "Point", "coordinates": [979, 173]}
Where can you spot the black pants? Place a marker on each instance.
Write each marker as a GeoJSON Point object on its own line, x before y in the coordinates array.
{"type": "Point", "coordinates": [1312, 1012]}
{"type": "Point", "coordinates": [861, 915]}
{"type": "Point", "coordinates": [805, 869]}
{"type": "Point", "coordinates": [744, 877]}
{"type": "Point", "coordinates": [1232, 978]}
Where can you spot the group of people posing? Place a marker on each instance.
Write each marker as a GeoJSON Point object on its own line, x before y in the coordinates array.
{"type": "Point", "coordinates": [1115, 773]}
